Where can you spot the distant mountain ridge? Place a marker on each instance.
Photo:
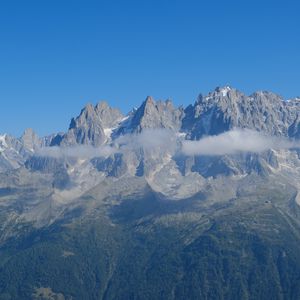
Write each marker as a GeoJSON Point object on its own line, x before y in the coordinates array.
{"type": "Point", "coordinates": [222, 110]}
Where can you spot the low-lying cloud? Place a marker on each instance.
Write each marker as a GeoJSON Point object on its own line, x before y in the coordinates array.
{"type": "Point", "coordinates": [231, 142]}
{"type": "Point", "coordinates": [80, 151]}
{"type": "Point", "coordinates": [148, 139]}
{"type": "Point", "coordinates": [236, 141]}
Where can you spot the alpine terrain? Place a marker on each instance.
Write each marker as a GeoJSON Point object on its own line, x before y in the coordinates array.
{"type": "Point", "coordinates": [196, 202]}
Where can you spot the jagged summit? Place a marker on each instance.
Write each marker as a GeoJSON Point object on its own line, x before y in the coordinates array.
{"type": "Point", "coordinates": [89, 127]}
{"type": "Point", "coordinates": [156, 114]}
{"type": "Point", "coordinates": [30, 139]}
{"type": "Point", "coordinates": [223, 90]}
{"type": "Point", "coordinates": [222, 109]}
{"type": "Point", "coordinates": [226, 108]}
{"type": "Point", "coordinates": [148, 101]}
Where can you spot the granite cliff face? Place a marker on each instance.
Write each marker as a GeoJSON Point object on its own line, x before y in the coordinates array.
{"type": "Point", "coordinates": [153, 115]}
{"type": "Point", "coordinates": [91, 126]}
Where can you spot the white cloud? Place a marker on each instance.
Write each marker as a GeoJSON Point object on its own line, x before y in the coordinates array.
{"type": "Point", "coordinates": [148, 139]}
{"type": "Point", "coordinates": [80, 151]}
{"type": "Point", "coordinates": [230, 142]}
{"type": "Point", "coordinates": [236, 141]}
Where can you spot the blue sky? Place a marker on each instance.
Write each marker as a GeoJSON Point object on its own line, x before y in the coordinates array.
{"type": "Point", "coordinates": [55, 56]}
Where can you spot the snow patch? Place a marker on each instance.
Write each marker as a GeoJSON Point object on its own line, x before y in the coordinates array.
{"type": "Point", "coordinates": [297, 199]}
{"type": "Point", "coordinates": [225, 91]}
{"type": "Point", "coordinates": [108, 132]}
{"type": "Point", "coordinates": [181, 135]}
{"type": "Point", "coordinates": [125, 118]}
{"type": "Point", "coordinates": [125, 123]}
{"type": "Point", "coordinates": [3, 144]}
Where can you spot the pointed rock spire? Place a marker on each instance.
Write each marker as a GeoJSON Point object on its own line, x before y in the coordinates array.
{"type": "Point", "coordinates": [160, 114]}
{"type": "Point", "coordinates": [30, 139]}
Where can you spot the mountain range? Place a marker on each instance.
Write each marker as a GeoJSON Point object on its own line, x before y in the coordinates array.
{"type": "Point", "coordinates": [196, 202]}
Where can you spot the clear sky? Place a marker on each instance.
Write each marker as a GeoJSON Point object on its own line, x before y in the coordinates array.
{"type": "Point", "coordinates": [57, 55]}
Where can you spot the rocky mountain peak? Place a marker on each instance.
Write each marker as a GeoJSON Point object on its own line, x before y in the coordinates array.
{"type": "Point", "coordinates": [88, 128]}
{"type": "Point", "coordinates": [156, 114]}
{"type": "Point", "coordinates": [149, 101]}
{"type": "Point", "coordinates": [102, 105]}
{"type": "Point", "coordinates": [226, 108]}
{"type": "Point", "coordinates": [221, 96]}
{"type": "Point", "coordinates": [30, 139]}
{"type": "Point", "coordinates": [220, 110]}
{"type": "Point", "coordinates": [223, 90]}
{"type": "Point", "coordinates": [226, 92]}
{"type": "Point", "coordinates": [108, 116]}
{"type": "Point", "coordinates": [86, 116]}
{"type": "Point", "coordinates": [265, 98]}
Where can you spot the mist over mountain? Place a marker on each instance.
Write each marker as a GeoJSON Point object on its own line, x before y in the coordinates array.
{"type": "Point", "coordinates": [196, 202]}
